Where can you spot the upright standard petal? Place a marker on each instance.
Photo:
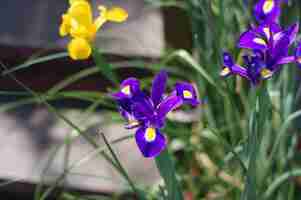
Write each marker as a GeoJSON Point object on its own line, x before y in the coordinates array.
{"type": "Point", "coordinates": [268, 29]}
{"type": "Point", "coordinates": [170, 103]}
{"type": "Point", "coordinates": [150, 141]}
{"type": "Point", "coordinates": [81, 13]}
{"type": "Point", "coordinates": [291, 32]}
{"type": "Point", "coordinates": [279, 51]}
{"type": "Point", "coordinates": [187, 93]}
{"type": "Point", "coordinates": [158, 87]}
{"type": "Point", "coordinates": [143, 109]}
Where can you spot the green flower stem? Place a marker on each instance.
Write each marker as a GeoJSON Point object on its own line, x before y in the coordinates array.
{"type": "Point", "coordinates": [261, 109]}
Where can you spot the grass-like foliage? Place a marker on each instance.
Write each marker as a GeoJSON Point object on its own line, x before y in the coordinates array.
{"type": "Point", "coordinates": [241, 143]}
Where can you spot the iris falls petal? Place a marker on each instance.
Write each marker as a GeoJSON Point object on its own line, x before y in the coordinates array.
{"type": "Point", "coordinates": [150, 141]}
{"type": "Point", "coordinates": [252, 40]}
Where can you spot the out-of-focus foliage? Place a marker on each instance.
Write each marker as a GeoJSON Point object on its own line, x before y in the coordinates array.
{"type": "Point", "coordinates": [243, 141]}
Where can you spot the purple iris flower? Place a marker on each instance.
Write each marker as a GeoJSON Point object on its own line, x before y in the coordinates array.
{"type": "Point", "coordinates": [269, 45]}
{"type": "Point", "coordinates": [268, 10]}
{"type": "Point", "coordinates": [254, 70]}
{"type": "Point", "coordinates": [147, 113]}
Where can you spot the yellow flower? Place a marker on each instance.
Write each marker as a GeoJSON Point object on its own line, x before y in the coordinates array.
{"type": "Point", "coordinates": [78, 23]}
{"type": "Point", "coordinates": [115, 14]}
{"type": "Point", "coordinates": [79, 49]}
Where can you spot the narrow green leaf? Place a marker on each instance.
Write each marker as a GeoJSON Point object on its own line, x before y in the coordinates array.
{"type": "Point", "coordinates": [281, 180]}
{"type": "Point", "coordinates": [250, 186]}
{"type": "Point", "coordinates": [166, 168]}
{"type": "Point", "coordinates": [35, 61]}
{"type": "Point", "coordinates": [122, 170]}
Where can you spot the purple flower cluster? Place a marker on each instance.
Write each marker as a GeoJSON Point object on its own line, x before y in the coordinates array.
{"type": "Point", "coordinates": [147, 113]}
{"type": "Point", "coordinates": [269, 44]}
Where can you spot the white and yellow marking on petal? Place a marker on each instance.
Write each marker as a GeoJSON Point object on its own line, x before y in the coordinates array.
{"type": "Point", "coordinates": [265, 73]}
{"type": "Point", "coordinates": [150, 134]}
{"type": "Point", "coordinates": [259, 41]}
{"type": "Point", "coordinates": [126, 90]}
{"type": "Point", "coordinates": [268, 6]}
{"type": "Point", "coordinates": [299, 60]}
{"type": "Point", "coordinates": [133, 123]}
{"type": "Point", "coordinates": [226, 71]}
{"type": "Point", "coordinates": [187, 94]}
{"type": "Point", "coordinates": [266, 31]}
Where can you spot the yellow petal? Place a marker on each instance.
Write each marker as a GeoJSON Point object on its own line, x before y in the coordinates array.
{"type": "Point", "coordinates": [74, 1]}
{"type": "Point", "coordinates": [79, 49]}
{"type": "Point", "coordinates": [81, 12]}
{"type": "Point", "coordinates": [116, 14]}
{"type": "Point", "coordinates": [87, 33]}
{"type": "Point", "coordinates": [65, 26]}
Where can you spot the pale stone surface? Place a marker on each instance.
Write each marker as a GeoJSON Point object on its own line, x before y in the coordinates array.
{"type": "Point", "coordinates": [28, 138]}
{"type": "Point", "coordinates": [35, 24]}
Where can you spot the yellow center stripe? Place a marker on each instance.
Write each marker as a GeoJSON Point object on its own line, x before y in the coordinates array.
{"type": "Point", "coordinates": [126, 90]}
{"type": "Point", "coordinates": [268, 6]}
{"type": "Point", "coordinates": [259, 41]}
{"type": "Point", "coordinates": [150, 134]}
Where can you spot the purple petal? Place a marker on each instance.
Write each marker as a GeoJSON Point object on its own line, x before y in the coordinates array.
{"type": "Point", "coordinates": [292, 32]}
{"type": "Point", "coordinates": [143, 109]}
{"type": "Point", "coordinates": [268, 29]}
{"type": "Point", "coordinates": [187, 93]}
{"type": "Point", "coordinates": [232, 68]}
{"type": "Point", "coordinates": [286, 60]}
{"type": "Point", "coordinates": [168, 104]}
{"type": "Point", "coordinates": [228, 63]}
{"type": "Point", "coordinates": [132, 122]}
{"type": "Point", "coordinates": [255, 65]}
{"type": "Point", "coordinates": [128, 89]}
{"type": "Point", "coordinates": [252, 40]}
{"type": "Point", "coordinates": [267, 10]}
{"type": "Point", "coordinates": [279, 51]}
{"type": "Point", "coordinates": [239, 70]}
{"type": "Point", "coordinates": [228, 60]}
{"type": "Point", "coordinates": [150, 141]}
{"type": "Point", "coordinates": [158, 87]}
